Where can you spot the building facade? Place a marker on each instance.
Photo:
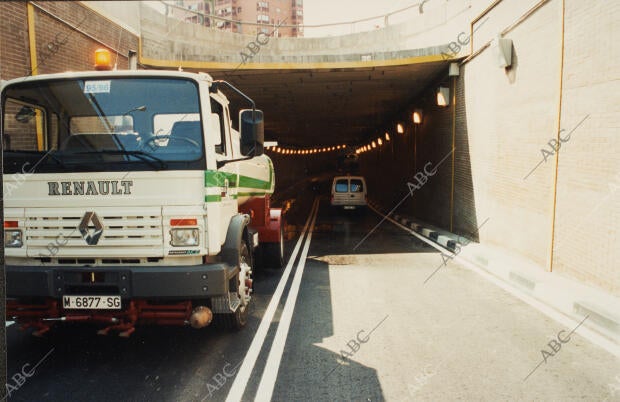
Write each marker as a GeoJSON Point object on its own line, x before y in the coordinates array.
{"type": "Point", "coordinates": [283, 17]}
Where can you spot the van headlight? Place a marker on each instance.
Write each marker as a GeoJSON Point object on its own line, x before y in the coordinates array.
{"type": "Point", "coordinates": [13, 238]}
{"type": "Point", "coordinates": [184, 237]}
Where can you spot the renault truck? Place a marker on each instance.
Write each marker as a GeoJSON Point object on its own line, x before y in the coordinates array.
{"type": "Point", "coordinates": [133, 197]}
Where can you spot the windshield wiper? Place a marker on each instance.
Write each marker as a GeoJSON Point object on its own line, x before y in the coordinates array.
{"type": "Point", "coordinates": [143, 156]}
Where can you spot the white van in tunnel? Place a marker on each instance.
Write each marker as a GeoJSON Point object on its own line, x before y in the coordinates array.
{"type": "Point", "coordinates": [348, 192]}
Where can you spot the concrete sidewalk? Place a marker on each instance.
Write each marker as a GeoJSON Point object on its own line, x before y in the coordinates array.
{"type": "Point", "coordinates": [553, 292]}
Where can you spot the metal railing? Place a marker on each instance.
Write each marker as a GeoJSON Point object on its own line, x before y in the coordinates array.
{"type": "Point", "coordinates": [360, 25]}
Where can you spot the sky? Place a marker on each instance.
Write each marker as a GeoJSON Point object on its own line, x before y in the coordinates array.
{"type": "Point", "coordinates": [331, 11]}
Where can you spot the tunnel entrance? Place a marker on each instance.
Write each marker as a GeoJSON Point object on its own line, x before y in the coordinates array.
{"type": "Point", "coordinates": [383, 122]}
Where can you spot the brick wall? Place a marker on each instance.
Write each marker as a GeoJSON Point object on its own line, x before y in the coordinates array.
{"type": "Point", "coordinates": [14, 47]}
{"type": "Point", "coordinates": [67, 35]}
{"type": "Point", "coordinates": [587, 238]}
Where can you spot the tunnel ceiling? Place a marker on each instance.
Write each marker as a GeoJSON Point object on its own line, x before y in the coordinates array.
{"type": "Point", "coordinates": [333, 106]}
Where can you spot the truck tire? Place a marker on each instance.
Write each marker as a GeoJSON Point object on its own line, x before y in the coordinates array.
{"type": "Point", "coordinates": [237, 320]}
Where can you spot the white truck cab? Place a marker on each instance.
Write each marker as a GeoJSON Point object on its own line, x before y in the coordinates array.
{"type": "Point", "coordinates": [131, 198]}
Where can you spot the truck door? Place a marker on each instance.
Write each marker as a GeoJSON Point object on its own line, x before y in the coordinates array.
{"type": "Point", "coordinates": [227, 175]}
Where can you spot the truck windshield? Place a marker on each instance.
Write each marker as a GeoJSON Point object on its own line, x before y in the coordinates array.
{"type": "Point", "coordinates": [102, 124]}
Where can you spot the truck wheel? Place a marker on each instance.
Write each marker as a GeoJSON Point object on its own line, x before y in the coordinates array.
{"type": "Point", "coordinates": [238, 319]}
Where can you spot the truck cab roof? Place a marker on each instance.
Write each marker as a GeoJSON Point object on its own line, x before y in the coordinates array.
{"type": "Point", "coordinates": [111, 74]}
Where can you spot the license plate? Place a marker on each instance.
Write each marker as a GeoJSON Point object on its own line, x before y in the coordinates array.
{"type": "Point", "coordinates": [349, 207]}
{"type": "Point", "coordinates": [92, 302]}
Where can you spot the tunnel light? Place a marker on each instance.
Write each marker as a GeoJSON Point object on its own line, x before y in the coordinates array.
{"type": "Point", "coordinates": [387, 136]}
{"type": "Point", "coordinates": [379, 141]}
{"type": "Point", "coordinates": [374, 145]}
{"type": "Point", "coordinates": [417, 116]}
{"type": "Point", "coordinates": [443, 96]}
{"type": "Point", "coordinates": [399, 129]}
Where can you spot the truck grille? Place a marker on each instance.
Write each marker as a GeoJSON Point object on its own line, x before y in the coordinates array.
{"type": "Point", "coordinates": [58, 235]}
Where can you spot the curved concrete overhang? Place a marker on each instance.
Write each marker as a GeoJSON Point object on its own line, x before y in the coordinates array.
{"type": "Point", "coordinates": [340, 88]}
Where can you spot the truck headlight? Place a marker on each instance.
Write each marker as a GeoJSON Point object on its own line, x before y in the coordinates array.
{"type": "Point", "coordinates": [184, 237]}
{"type": "Point", "coordinates": [13, 238]}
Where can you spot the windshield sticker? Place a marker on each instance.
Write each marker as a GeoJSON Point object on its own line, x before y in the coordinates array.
{"type": "Point", "coordinates": [97, 87]}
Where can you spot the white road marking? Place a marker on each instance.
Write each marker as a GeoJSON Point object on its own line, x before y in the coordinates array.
{"type": "Point", "coordinates": [241, 380]}
{"type": "Point", "coordinates": [270, 373]}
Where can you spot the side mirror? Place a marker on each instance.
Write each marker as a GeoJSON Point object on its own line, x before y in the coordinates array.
{"type": "Point", "coordinates": [25, 114]}
{"type": "Point", "coordinates": [252, 128]}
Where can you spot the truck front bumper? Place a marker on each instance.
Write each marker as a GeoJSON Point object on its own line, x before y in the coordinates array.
{"type": "Point", "coordinates": [130, 282]}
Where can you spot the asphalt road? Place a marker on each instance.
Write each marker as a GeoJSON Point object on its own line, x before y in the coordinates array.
{"type": "Point", "coordinates": [351, 325]}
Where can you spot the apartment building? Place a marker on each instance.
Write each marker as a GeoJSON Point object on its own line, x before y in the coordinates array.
{"type": "Point", "coordinates": [243, 16]}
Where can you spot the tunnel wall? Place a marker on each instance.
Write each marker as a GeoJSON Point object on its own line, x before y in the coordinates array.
{"type": "Point", "coordinates": [390, 167]}
{"type": "Point", "coordinates": [564, 215]}
{"type": "Point", "coordinates": [587, 234]}
{"type": "Point", "coordinates": [511, 115]}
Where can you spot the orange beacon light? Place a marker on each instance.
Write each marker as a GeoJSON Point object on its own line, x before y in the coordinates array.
{"type": "Point", "coordinates": [103, 59]}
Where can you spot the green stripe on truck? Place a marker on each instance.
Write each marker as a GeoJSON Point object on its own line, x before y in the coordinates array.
{"type": "Point", "coordinates": [213, 178]}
